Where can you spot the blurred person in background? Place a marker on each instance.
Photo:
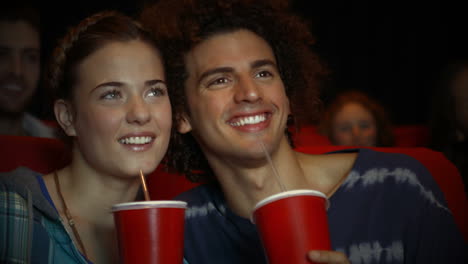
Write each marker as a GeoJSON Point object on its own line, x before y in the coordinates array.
{"type": "Point", "coordinates": [355, 119]}
{"type": "Point", "coordinates": [449, 120]}
{"type": "Point", "coordinates": [20, 69]}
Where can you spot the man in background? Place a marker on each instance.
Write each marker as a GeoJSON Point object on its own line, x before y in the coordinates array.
{"type": "Point", "coordinates": [20, 67]}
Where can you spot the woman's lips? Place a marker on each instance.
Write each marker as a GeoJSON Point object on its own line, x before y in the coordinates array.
{"type": "Point", "coordinates": [138, 141]}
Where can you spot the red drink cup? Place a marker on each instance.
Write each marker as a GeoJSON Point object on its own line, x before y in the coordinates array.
{"type": "Point", "coordinates": [150, 231]}
{"type": "Point", "coordinates": [291, 224]}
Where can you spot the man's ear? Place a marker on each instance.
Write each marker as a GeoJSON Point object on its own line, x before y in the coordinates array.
{"type": "Point", "coordinates": [184, 125]}
{"type": "Point", "coordinates": [64, 115]}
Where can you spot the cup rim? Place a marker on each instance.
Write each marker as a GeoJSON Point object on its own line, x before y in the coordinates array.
{"type": "Point", "coordinates": [149, 204]}
{"type": "Point", "coordinates": [291, 193]}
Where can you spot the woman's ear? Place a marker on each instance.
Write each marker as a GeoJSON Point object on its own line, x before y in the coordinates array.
{"type": "Point", "coordinates": [64, 115]}
{"type": "Point", "coordinates": [183, 124]}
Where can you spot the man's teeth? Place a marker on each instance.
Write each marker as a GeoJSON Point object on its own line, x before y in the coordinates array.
{"type": "Point", "coordinates": [135, 140]}
{"type": "Point", "coordinates": [249, 120]}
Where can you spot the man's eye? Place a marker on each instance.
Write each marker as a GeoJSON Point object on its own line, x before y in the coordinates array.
{"type": "Point", "coordinates": [219, 81]}
{"type": "Point", "coordinates": [114, 94]}
{"type": "Point", "coordinates": [31, 57]}
{"type": "Point", "coordinates": [263, 74]}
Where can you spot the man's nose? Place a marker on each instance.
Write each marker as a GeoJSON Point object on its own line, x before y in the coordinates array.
{"type": "Point", "coordinates": [16, 65]}
{"type": "Point", "coordinates": [246, 90]}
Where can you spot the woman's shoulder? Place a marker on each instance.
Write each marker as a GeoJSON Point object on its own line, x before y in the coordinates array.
{"type": "Point", "coordinates": [25, 186]}
{"type": "Point", "coordinates": [18, 178]}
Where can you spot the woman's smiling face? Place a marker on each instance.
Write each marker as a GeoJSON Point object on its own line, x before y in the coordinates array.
{"type": "Point", "coordinates": [121, 114]}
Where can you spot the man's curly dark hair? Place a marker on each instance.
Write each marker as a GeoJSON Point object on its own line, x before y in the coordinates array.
{"type": "Point", "coordinates": [182, 25]}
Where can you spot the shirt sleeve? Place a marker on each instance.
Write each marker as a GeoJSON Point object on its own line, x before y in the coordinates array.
{"type": "Point", "coordinates": [432, 234]}
{"type": "Point", "coordinates": [15, 227]}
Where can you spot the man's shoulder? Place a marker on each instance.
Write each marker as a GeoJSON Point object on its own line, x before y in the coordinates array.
{"type": "Point", "coordinates": [199, 194]}
{"type": "Point", "coordinates": [203, 200]}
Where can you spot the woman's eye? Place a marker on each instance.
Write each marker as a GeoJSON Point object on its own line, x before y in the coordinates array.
{"type": "Point", "coordinates": [113, 94]}
{"type": "Point", "coordinates": [344, 129]}
{"type": "Point", "coordinates": [365, 125]}
{"type": "Point", "coordinates": [157, 91]}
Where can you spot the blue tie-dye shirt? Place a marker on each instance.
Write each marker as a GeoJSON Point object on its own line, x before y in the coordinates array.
{"type": "Point", "coordinates": [388, 210]}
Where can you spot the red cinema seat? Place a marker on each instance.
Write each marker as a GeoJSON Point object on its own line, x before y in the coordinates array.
{"type": "Point", "coordinates": [308, 136]}
{"type": "Point", "coordinates": [43, 155]}
{"type": "Point", "coordinates": [411, 136]}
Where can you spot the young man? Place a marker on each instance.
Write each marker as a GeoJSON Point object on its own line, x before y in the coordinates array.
{"type": "Point", "coordinates": [238, 71]}
{"type": "Point", "coordinates": [19, 70]}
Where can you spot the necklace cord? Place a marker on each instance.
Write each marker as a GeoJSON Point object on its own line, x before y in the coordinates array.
{"type": "Point", "coordinates": [71, 222]}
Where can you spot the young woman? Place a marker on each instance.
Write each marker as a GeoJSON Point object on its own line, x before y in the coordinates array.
{"type": "Point", "coordinates": [355, 119]}
{"type": "Point", "coordinates": [112, 104]}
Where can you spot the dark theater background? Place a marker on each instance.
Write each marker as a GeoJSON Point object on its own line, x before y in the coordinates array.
{"type": "Point", "coordinates": [393, 50]}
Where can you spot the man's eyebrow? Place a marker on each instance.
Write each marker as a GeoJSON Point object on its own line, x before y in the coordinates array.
{"type": "Point", "coordinates": [260, 63]}
{"type": "Point", "coordinates": [215, 70]}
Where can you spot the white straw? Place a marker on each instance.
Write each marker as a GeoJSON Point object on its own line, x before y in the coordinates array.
{"type": "Point", "coordinates": [273, 168]}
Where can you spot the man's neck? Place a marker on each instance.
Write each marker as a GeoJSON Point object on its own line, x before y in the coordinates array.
{"type": "Point", "coordinates": [245, 186]}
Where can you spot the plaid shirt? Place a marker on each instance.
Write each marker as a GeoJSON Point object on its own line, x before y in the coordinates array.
{"type": "Point", "coordinates": [30, 228]}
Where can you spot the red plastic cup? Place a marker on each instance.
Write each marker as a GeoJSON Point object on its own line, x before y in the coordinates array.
{"type": "Point", "coordinates": [150, 231]}
{"type": "Point", "coordinates": [291, 224]}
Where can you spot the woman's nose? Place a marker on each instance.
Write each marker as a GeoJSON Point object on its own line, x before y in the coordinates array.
{"type": "Point", "coordinates": [138, 111]}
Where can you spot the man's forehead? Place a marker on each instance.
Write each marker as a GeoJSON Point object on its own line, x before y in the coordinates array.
{"type": "Point", "coordinates": [18, 34]}
{"type": "Point", "coordinates": [240, 48]}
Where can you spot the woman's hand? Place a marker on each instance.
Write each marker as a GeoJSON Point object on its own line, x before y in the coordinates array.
{"type": "Point", "coordinates": [330, 257]}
